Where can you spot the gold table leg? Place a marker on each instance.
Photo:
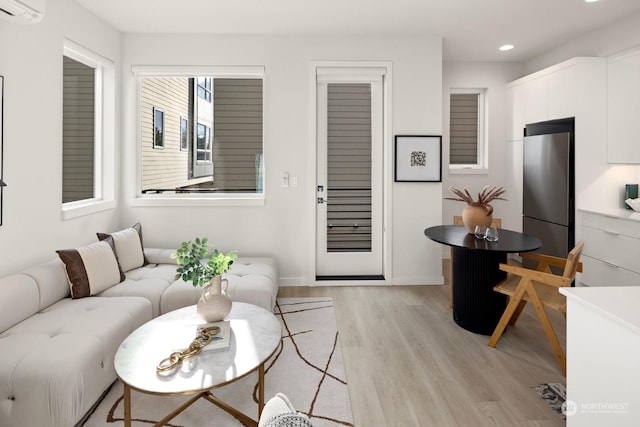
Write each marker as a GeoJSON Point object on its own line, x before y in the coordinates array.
{"type": "Point", "coordinates": [243, 418]}
{"type": "Point", "coordinates": [260, 389]}
{"type": "Point", "coordinates": [127, 406]}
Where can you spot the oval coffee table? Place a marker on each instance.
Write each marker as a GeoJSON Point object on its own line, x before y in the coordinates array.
{"type": "Point", "coordinates": [255, 335]}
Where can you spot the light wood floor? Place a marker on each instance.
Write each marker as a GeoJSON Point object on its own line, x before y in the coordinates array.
{"type": "Point", "coordinates": [408, 363]}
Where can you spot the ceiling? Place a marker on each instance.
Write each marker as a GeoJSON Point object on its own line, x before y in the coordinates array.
{"type": "Point", "coordinates": [472, 30]}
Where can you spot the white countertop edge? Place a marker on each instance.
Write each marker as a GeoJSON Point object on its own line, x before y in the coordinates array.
{"type": "Point", "coordinates": [621, 213]}
{"type": "Point", "coordinates": [619, 303]}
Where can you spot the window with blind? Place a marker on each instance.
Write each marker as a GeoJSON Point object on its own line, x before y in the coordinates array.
{"type": "Point", "coordinates": [88, 126]}
{"type": "Point", "coordinates": [221, 149]}
{"type": "Point", "coordinates": [78, 131]}
{"type": "Point", "coordinates": [467, 129]}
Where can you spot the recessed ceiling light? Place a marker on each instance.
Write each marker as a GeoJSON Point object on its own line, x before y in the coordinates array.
{"type": "Point", "coordinates": [590, 1]}
{"type": "Point", "coordinates": [506, 47]}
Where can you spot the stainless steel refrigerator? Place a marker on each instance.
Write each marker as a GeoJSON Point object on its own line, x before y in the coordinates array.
{"type": "Point", "coordinates": [548, 185]}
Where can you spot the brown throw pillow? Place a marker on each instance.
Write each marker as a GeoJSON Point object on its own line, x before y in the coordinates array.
{"type": "Point", "coordinates": [129, 247]}
{"type": "Point", "coordinates": [91, 269]}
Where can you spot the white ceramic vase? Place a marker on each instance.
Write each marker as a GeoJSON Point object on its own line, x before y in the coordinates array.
{"type": "Point", "coordinates": [214, 303]}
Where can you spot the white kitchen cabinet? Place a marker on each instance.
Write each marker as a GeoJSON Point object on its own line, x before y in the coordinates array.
{"type": "Point", "coordinates": [611, 247]}
{"type": "Point", "coordinates": [561, 93]}
{"type": "Point", "coordinates": [623, 102]}
{"type": "Point", "coordinates": [546, 95]}
{"type": "Point", "coordinates": [536, 100]}
{"type": "Point", "coordinates": [515, 112]}
{"type": "Point", "coordinates": [603, 343]}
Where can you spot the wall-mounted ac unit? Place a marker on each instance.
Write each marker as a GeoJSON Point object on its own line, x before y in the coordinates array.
{"type": "Point", "coordinates": [22, 11]}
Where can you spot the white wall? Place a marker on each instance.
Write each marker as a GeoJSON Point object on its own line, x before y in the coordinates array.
{"type": "Point", "coordinates": [494, 77]}
{"type": "Point", "coordinates": [605, 41]}
{"type": "Point", "coordinates": [284, 226]}
{"type": "Point", "coordinates": [31, 63]}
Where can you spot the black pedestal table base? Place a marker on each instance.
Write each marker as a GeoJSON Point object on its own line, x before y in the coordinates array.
{"type": "Point", "coordinates": [476, 306]}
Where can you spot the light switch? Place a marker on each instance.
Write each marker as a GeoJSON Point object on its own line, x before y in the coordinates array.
{"type": "Point", "coordinates": [285, 179]}
{"type": "Point", "coordinates": [294, 181]}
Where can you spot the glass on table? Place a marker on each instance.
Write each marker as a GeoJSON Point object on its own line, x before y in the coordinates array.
{"type": "Point", "coordinates": [479, 231]}
{"type": "Point", "coordinates": [491, 234]}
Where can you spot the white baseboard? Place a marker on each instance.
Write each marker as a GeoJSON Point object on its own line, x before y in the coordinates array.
{"type": "Point", "coordinates": [416, 280]}
{"type": "Point", "coordinates": [419, 280]}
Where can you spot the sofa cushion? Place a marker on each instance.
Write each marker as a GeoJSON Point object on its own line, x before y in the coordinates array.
{"type": "Point", "coordinates": [52, 282]}
{"type": "Point", "coordinates": [129, 247]}
{"type": "Point", "coordinates": [58, 362]}
{"type": "Point", "coordinates": [160, 256]}
{"type": "Point", "coordinates": [18, 299]}
{"type": "Point", "coordinates": [150, 288]}
{"type": "Point", "coordinates": [91, 269]}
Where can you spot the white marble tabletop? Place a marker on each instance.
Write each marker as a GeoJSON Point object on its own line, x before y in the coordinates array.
{"type": "Point", "coordinates": [255, 335]}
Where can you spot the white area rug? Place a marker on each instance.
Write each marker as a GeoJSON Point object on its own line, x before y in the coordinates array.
{"type": "Point", "coordinates": [308, 368]}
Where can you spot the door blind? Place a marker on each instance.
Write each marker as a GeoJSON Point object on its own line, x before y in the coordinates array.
{"type": "Point", "coordinates": [349, 168]}
{"type": "Point", "coordinates": [463, 139]}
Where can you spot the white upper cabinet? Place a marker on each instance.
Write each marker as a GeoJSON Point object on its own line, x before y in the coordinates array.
{"type": "Point", "coordinates": [515, 112]}
{"type": "Point", "coordinates": [561, 93]}
{"type": "Point", "coordinates": [546, 95]}
{"type": "Point", "coordinates": [623, 102]}
{"type": "Point", "coordinates": [536, 108]}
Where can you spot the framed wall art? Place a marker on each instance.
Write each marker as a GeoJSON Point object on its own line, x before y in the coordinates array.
{"type": "Point", "coordinates": [418, 158]}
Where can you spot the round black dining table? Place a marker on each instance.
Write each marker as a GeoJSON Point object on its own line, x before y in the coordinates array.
{"type": "Point", "coordinates": [475, 269]}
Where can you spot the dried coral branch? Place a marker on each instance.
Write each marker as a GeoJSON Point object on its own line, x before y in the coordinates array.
{"type": "Point", "coordinates": [485, 196]}
{"type": "Point", "coordinates": [462, 196]}
{"type": "Point", "coordinates": [489, 194]}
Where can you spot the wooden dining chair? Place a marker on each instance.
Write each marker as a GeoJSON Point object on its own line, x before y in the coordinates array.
{"type": "Point", "coordinates": [457, 220]}
{"type": "Point", "coordinates": [540, 287]}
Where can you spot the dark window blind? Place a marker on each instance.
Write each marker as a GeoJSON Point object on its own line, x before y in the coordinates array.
{"type": "Point", "coordinates": [463, 129]}
{"type": "Point", "coordinates": [237, 144]}
{"type": "Point", "coordinates": [78, 131]}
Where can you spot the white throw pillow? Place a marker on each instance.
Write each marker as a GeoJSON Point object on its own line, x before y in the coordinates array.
{"type": "Point", "coordinates": [91, 269]}
{"type": "Point", "coordinates": [129, 247]}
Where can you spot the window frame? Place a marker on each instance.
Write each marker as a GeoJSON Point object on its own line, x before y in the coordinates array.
{"type": "Point", "coordinates": [184, 134]}
{"type": "Point", "coordinates": [207, 89]}
{"type": "Point", "coordinates": [482, 165]}
{"type": "Point", "coordinates": [207, 142]}
{"type": "Point", "coordinates": [104, 132]}
{"type": "Point", "coordinates": [158, 141]}
{"type": "Point", "coordinates": [195, 199]}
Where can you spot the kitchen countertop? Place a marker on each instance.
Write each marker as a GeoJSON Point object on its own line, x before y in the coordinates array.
{"type": "Point", "coordinates": [619, 303]}
{"type": "Point", "coordinates": [621, 213]}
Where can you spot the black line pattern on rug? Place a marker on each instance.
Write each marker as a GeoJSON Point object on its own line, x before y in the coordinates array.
{"type": "Point", "coordinates": [324, 370]}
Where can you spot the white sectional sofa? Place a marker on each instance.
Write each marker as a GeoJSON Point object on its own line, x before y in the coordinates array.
{"type": "Point", "coordinates": [57, 349]}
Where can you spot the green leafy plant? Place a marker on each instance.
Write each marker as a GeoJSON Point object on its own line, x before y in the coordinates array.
{"type": "Point", "coordinates": [196, 267]}
{"type": "Point", "coordinates": [487, 195]}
